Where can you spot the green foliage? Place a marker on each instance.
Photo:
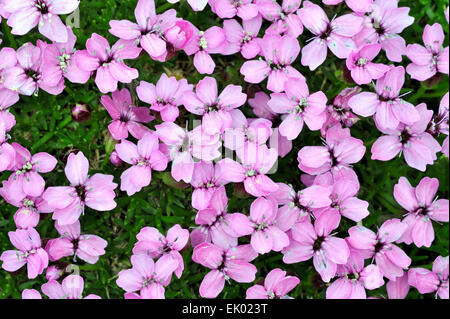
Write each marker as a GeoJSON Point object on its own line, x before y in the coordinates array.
{"type": "Point", "coordinates": [44, 124]}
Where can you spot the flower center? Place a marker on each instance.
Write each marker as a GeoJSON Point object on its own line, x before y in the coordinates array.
{"type": "Point", "coordinates": [361, 62]}
{"type": "Point", "coordinates": [318, 243]}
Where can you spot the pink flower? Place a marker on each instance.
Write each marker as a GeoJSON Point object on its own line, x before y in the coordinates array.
{"type": "Point", "coordinates": [418, 147]}
{"type": "Point", "coordinates": [434, 281]}
{"type": "Point", "coordinates": [147, 277]}
{"type": "Point", "coordinates": [108, 62]}
{"type": "Point", "coordinates": [31, 294]}
{"type": "Point", "coordinates": [215, 109]}
{"type": "Point", "coordinates": [71, 288]}
{"type": "Point", "coordinates": [301, 107]}
{"type": "Point", "coordinates": [184, 146]}
{"type": "Point", "coordinates": [431, 59]}
{"type": "Point", "coordinates": [383, 25]}
{"type": "Point", "coordinates": [439, 122]}
{"type": "Point", "coordinates": [225, 9]}
{"type": "Point", "coordinates": [285, 18]}
{"type": "Point", "coordinates": [398, 288]}
{"type": "Point", "coordinates": [355, 279]}
{"type": "Point", "coordinates": [340, 151]}
{"type": "Point", "coordinates": [29, 208]}
{"type": "Point", "coordinates": [7, 99]}
{"type": "Point", "coordinates": [27, 14]}
{"type": "Point", "coordinates": [317, 242]}
{"type": "Point", "coordinates": [339, 113]}
{"type": "Point", "coordinates": [71, 243]}
{"type": "Point", "coordinates": [228, 263]}
{"type": "Point", "coordinates": [127, 118]}
{"type": "Point", "coordinates": [242, 38]}
{"type": "Point", "coordinates": [276, 286]}
{"type": "Point", "coordinates": [262, 225]}
{"type": "Point", "coordinates": [299, 206]}
{"type": "Point", "coordinates": [359, 6]}
{"type": "Point", "coordinates": [336, 35]}
{"type": "Point", "coordinates": [165, 97]}
{"type": "Point", "coordinates": [256, 163]}
{"type": "Point", "coordinates": [7, 152]}
{"type": "Point", "coordinates": [388, 257]}
{"type": "Point", "coordinates": [25, 179]}
{"type": "Point", "coordinates": [179, 35]}
{"type": "Point", "coordinates": [422, 208]}
{"type": "Point", "coordinates": [144, 157]}
{"type": "Point", "coordinates": [149, 30]}
{"type": "Point", "coordinates": [359, 62]}
{"type": "Point", "coordinates": [279, 53]}
{"type": "Point", "coordinates": [27, 76]}
{"type": "Point", "coordinates": [152, 243]}
{"type": "Point", "coordinates": [58, 62]}
{"type": "Point", "coordinates": [260, 106]}
{"type": "Point", "coordinates": [204, 43]}
{"type": "Point", "coordinates": [68, 202]}
{"type": "Point", "coordinates": [387, 105]}
{"type": "Point", "coordinates": [29, 252]}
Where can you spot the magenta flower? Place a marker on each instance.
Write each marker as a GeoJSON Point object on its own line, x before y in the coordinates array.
{"type": "Point", "coordinates": [279, 53]}
{"type": "Point", "coordinates": [127, 118]}
{"type": "Point", "coordinates": [355, 279]}
{"type": "Point", "coordinates": [27, 14]}
{"type": "Point", "coordinates": [149, 30]}
{"type": "Point", "coordinates": [27, 77]}
{"type": "Point", "coordinates": [71, 243]}
{"type": "Point", "coordinates": [29, 208]}
{"type": "Point", "coordinates": [58, 62]}
{"type": "Point", "coordinates": [225, 9]}
{"type": "Point", "coordinates": [184, 146]}
{"type": "Point", "coordinates": [242, 38]}
{"type": "Point", "coordinates": [431, 59]}
{"type": "Point", "coordinates": [387, 105]}
{"type": "Point", "coordinates": [359, 6]}
{"type": "Point", "coordinates": [285, 18]}
{"type": "Point", "coordinates": [389, 257]}
{"type": "Point", "coordinates": [262, 225]}
{"type": "Point", "coordinates": [335, 35]}
{"type": "Point", "coordinates": [108, 62]}
{"type": "Point", "coordinates": [383, 25]}
{"type": "Point", "coordinates": [204, 43]}
{"type": "Point", "coordinates": [228, 263]}
{"type": "Point", "coordinates": [431, 281]}
{"type": "Point", "coordinates": [340, 151]}
{"type": "Point", "coordinates": [317, 242]}
{"type": "Point", "coordinates": [339, 113]}
{"type": "Point", "coordinates": [215, 109]}
{"type": "Point", "coordinates": [300, 106]}
{"type": "Point", "coordinates": [165, 97]}
{"type": "Point", "coordinates": [256, 163]}
{"type": "Point", "coordinates": [276, 286]}
{"type": "Point", "coordinates": [29, 252]}
{"type": "Point", "coordinates": [26, 179]}
{"type": "Point", "coordinates": [360, 64]}
{"type": "Point", "coordinates": [152, 243]}
{"type": "Point", "coordinates": [71, 288]}
{"type": "Point", "coordinates": [144, 158]}
{"type": "Point", "coordinates": [147, 277]}
{"type": "Point", "coordinates": [422, 208]}
{"type": "Point", "coordinates": [418, 146]}
{"type": "Point", "coordinates": [68, 202]}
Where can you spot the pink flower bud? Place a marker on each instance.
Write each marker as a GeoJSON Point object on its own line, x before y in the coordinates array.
{"type": "Point", "coordinates": [115, 159]}
{"type": "Point", "coordinates": [180, 34]}
{"type": "Point", "coordinates": [80, 113]}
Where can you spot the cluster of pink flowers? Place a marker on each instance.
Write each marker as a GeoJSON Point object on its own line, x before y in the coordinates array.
{"type": "Point", "coordinates": [300, 224]}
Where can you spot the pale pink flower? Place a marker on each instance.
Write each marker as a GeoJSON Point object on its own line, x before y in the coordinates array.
{"type": "Point", "coordinates": [127, 118]}
{"type": "Point", "coordinates": [7, 152]}
{"type": "Point", "coordinates": [164, 97]}
{"type": "Point", "coordinates": [359, 6]}
{"type": "Point", "coordinates": [69, 202]}
{"type": "Point", "coordinates": [144, 157]}
{"type": "Point", "coordinates": [71, 243]}
{"type": "Point", "coordinates": [31, 294]}
{"type": "Point", "coordinates": [431, 281]}
{"type": "Point", "coordinates": [29, 252]}
{"type": "Point", "coordinates": [398, 288]}
{"type": "Point", "coordinates": [233, 263]}
{"type": "Point", "coordinates": [317, 242]}
{"type": "Point", "coordinates": [422, 207]}
{"type": "Point", "coordinates": [361, 67]}
{"type": "Point", "coordinates": [7, 99]}
{"type": "Point", "coordinates": [431, 59]}
{"type": "Point", "coordinates": [276, 286]}
{"type": "Point", "coordinates": [242, 38]}
{"type": "Point", "coordinates": [285, 18]}
{"type": "Point", "coordinates": [71, 288]}
{"type": "Point", "coordinates": [225, 9]}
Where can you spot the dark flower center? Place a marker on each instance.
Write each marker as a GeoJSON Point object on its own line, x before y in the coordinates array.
{"type": "Point", "coordinates": [318, 243]}
{"type": "Point", "coordinates": [81, 192]}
